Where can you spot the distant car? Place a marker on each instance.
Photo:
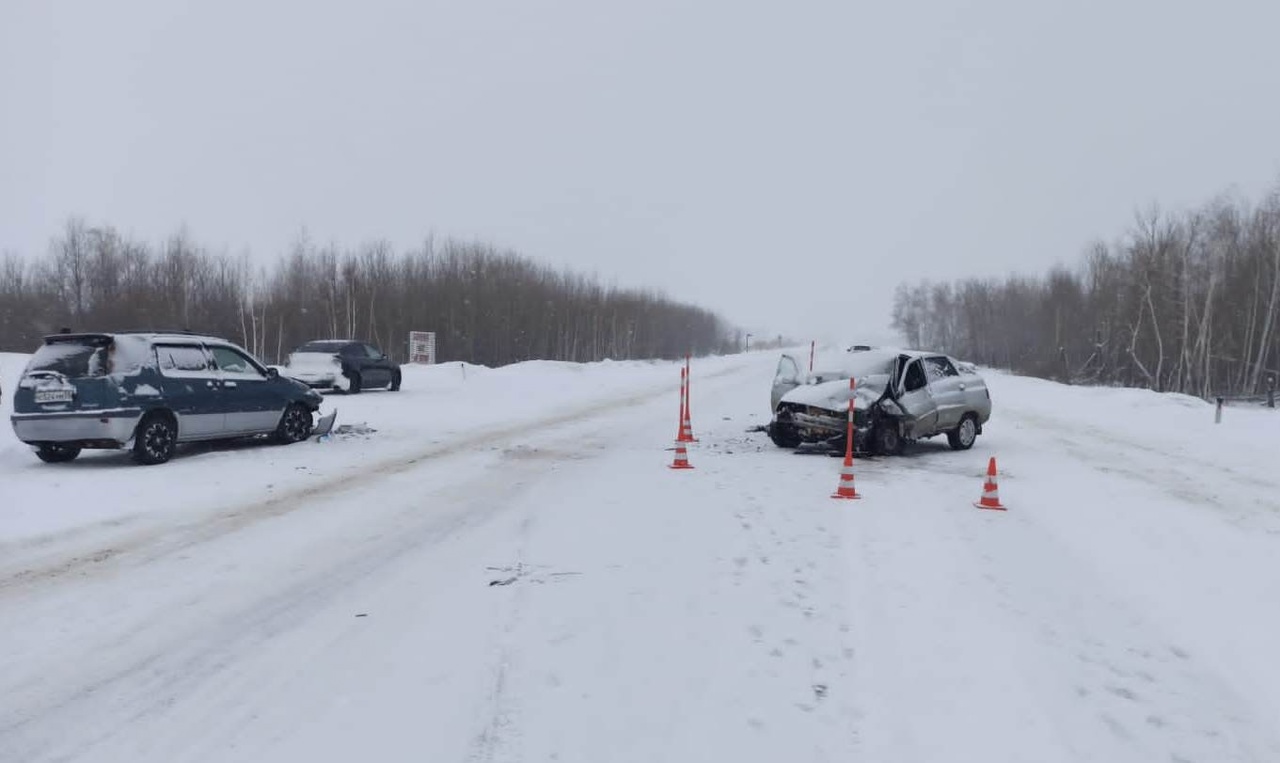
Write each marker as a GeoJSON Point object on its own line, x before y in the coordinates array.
{"type": "Point", "coordinates": [149, 391]}
{"type": "Point", "coordinates": [900, 396]}
{"type": "Point", "coordinates": [343, 364]}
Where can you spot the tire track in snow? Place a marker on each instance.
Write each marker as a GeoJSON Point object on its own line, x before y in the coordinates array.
{"type": "Point", "coordinates": [1164, 469]}
{"type": "Point", "coordinates": [199, 654]}
{"type": "Point", "coordinates": [1129, 677]}
{"type": "Point", "coordinates": [498, 720]}
{"type": "Point", "coordinates": [794, 548]}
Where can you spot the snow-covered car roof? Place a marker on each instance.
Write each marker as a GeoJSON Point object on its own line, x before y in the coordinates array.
{"type": "Point", "coordinates": [186, 338]}
{"type": "Point", "coordinates": [153, 336]}
{"type": "Point", "coordinates": [132, 349]}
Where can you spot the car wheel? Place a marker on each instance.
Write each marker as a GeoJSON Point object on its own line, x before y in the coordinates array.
{"type": "Point", "coordinates": [355, 383]}
{"type": "Point", "coordinates": [295, 425]}
{"type": "Point", "coordinates": [783, 435]}
{"type": "Point", "coordinates": [156, 440]}
{"type": "Point", "coordinates": [57, 453]}
{"type": "Point", "coordinates": [395, 381]}
{"type": "Point", "coordinates": [887, 439]}
{"type": "Point", "coordinates": [962, 437]}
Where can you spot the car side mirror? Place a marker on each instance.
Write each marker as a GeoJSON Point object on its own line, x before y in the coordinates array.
{"type": "Point", "coordinates": [272, 373]}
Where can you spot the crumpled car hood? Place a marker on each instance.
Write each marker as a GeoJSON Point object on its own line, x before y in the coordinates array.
{"type": "Point", "coordinates": [834, 395]}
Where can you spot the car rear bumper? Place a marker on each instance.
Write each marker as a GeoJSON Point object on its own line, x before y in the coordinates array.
{"type": "Point", "coordinates": [97, 427]}
{"type": "Point", "coordinates": [315, 378]}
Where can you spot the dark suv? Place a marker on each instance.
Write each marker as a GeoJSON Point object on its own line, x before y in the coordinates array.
{"type": "Point", "coordinates": [343, 364]}
{"type": "Point", "coordinates": [149, 391]}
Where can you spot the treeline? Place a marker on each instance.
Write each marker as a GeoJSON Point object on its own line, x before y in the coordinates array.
{"type": "Point", "coordinates": [486, 307]}
{"type": "Point", "coordinates": [1186, 302]}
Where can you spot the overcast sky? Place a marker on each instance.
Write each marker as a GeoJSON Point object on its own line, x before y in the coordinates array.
{"type": "Point", "coordinates": [784, 163]}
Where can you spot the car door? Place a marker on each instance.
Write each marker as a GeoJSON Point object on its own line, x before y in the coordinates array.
{"type": "Point", "coordinates": [916, 400]}
{"type": "Point", "coordinates": [379, 370]}
{"type": "Point", "coordinates": [977, 399]}
{"type": "Point", "coordinates": [947, 389]}
{"type": "Point", "coordinates": [356, 359]}
{"type": "Point", "coordinates": [785, 379]}
{"type": "Point", "coordinates": [191, 388]}
{"type": "Point", "coordinates": [251, 403]}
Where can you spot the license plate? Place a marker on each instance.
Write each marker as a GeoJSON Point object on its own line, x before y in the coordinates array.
{"type": "Point", "coordinates": [53, 396]}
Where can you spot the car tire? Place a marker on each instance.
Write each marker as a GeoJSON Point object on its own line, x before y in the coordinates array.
{"type": "Point", "coordinates": [783, 435]}
{"type": "Point", "coordinates": [156, 439]}
{"type": "Point", "coordinates": [355, 383]}
{"type": "Point", "coordinates": [57, 453]}
{"type": "Point", "coordinates": [886, 439]}
{"type": "Point", "coordinates": [395, 381]}
{"type": "Point", "coordinates": [295, 425]}
{"type": "Point", "coordinates": [962, 437]}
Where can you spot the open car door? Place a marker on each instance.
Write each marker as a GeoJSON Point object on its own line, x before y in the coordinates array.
{"type": "Point", "coordinates": [913, 396]}
{"type": "Point", "coordinates": [786, 379]}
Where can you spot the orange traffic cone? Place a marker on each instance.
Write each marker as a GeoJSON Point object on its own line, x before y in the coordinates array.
{"type": "Point", "coordinates": [682, 457]}
{"type": "Point", "coordinates": [846, 488]}
{"type": "Point", "coordinates": [990, 491]}
{"type": "Point", "coordinates": [686, 423]}
{"type": "Point", "coordinates": [683, 434]}
{"type": "Point", "coordinates": [686, 431]}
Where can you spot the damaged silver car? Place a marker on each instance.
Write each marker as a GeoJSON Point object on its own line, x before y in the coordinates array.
{"type": "Point", "coordinates": [900, 397]}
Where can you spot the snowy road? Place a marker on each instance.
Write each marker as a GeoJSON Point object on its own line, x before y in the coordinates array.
{"type": "Point", "coordinates": [543, 588]}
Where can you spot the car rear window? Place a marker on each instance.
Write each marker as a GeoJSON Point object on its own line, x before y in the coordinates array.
{"type": "Point", "coordinates": [74, 358]}
{"type": "Point", "coordinates": [322, 347]}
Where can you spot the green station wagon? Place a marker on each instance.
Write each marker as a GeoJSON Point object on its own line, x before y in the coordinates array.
{"type": "Point", "coordinates": [150, 391]}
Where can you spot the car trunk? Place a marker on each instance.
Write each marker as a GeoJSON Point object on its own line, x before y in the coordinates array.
{"type": "Point", "coordinates": [313, 361]}
{"type": "Point", "coordinates": [69, 374]}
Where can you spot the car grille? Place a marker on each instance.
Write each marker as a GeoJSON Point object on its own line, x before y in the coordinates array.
{"type": "Point", "coordinates": [825, 417]}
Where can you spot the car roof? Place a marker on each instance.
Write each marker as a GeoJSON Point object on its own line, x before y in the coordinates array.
{"type": "Point", "coordinates": [858, 361]}
{"type": "Point", "coordinates": [913, 354]}
{"type": "Point", "coordinates": [332, 343]}
{"type": "Point", "coordinates": [154, 336]}
{"type": "Point", "coordinates": [179, 338]}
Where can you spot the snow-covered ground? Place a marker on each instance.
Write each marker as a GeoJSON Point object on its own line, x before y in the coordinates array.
{"type": "Point", "coordinates": [504, 569]}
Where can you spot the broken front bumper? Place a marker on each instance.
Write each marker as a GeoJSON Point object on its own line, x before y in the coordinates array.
{"type": "Point", "coordinates": [819, 425]}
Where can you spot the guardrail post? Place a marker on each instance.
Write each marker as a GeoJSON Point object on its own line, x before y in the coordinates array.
{"type": "Point", "coordinates": [1217, 413]}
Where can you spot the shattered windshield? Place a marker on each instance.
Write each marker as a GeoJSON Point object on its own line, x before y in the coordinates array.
{"type": "Point", "coordinates": [871, 369]}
